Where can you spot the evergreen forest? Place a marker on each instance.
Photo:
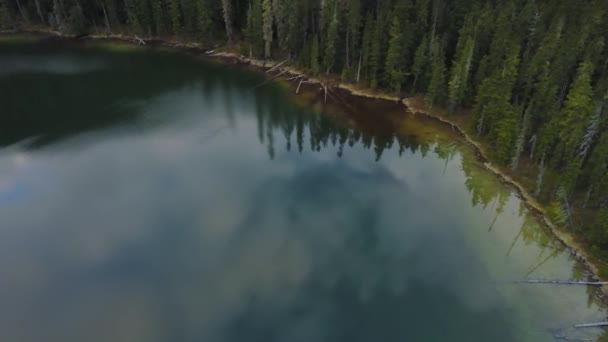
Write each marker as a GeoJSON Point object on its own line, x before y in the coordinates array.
{"type": "Point", "coordinates": [531, 75]}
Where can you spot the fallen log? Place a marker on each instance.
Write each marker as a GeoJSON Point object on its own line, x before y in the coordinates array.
{"type": "Point", "coordinates": [591, 325]}
{"type": "Point", "coordinates": [139, 40]}
{"type": "Point", "coordinates": [295, 77]}
{"type": "Point", "coordinates": [563, 282]}
{"type": "Point", "coordinates": [276, 66]}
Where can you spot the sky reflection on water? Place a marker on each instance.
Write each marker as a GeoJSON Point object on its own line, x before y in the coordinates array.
{"type": "Point", "coordinates": [202, 209]}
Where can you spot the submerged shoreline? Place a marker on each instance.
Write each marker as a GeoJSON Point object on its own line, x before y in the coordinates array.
{"type": "Point", "coordinates": [575, 249]}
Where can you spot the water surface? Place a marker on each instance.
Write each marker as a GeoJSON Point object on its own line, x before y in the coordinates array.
{"type": "Point", "coordinates": [152, 196]}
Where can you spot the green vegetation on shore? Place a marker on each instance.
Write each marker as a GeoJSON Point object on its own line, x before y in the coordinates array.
{"type": "Point", "coordinates": [532, 75]}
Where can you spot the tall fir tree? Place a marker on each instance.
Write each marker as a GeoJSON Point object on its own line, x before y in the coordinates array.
{"type": "Point", "coordinates": [394, 69]}
{"type": "Point", "coordinates": [254, 30]}
{"type": "Point", "coordinates": [228, 14]}
{"type": "Point", "coordinates": [314, 56]}
{"type": "Point", "coordinates": [330, 42]}
{"type": "Point", "coordinates": [267, 24]}
{"type": "Point", "coordinates": [437, 87]}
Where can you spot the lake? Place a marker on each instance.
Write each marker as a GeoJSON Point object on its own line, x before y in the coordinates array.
{"type": "Point", "coordinates": [150, 195]}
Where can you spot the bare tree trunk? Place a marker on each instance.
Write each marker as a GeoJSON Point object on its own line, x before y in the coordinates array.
{"type": "Point", "coordinates": [347, 49]}
{"type": "Point", "coordinates": [64, 14]}
{"type": "Point", "coordinates": [227, 9]}
{"type": "Point", "coordinates": [591, 325]}
{"type": "Point", "coordinates": [359, 68]}
{"type": "Point", "coordinates": [95, 25]}
{"type": "Point", "coordinates": [23, 14]}
{"type": "Point", "coordinates": [39, 10]}
{"type": "Point", "coordinates": [105, 15]}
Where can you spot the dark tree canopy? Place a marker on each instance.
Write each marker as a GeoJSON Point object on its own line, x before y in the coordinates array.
{"type": "Point", "coordinates": [534, 72]}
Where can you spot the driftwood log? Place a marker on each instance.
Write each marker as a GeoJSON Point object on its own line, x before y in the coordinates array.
{"type": "Point", "coordinates": [591, 325]}
{"type": "Point", "coordinates": [563, 282]}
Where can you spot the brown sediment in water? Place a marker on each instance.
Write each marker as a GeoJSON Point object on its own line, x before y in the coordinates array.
{"type": "Point", "coordinates": [358, 103]}
{"type": "Point", "coordinates": [577, 250]}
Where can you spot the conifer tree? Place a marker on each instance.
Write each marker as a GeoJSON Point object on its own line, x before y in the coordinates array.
{"type": "Point", "coordinates": [160, 26]}
{"type": "Point", "coordinates": [571, 120]}
{"type": "Point", "coordinates": [330, 44]}
{"type": "Point", "coordinates": [436, 91]}
{"type": "Point", "coordinates": [254, 28]}
{"type": "Point", "coordinates": [175, 14]}
{"type": "Point", "coordinates": [366, 48]}
{"type": "Point", "coordinates": [421, 62]}
{"type": "Point", "coordinates": [228, 17]}
{"type": "Point", "coordinates": [353, 31]}
{"type": "Point", "coordinates": [378, 43]}
{"type": "Point", "coordinates": [314, 56]}
{"type": "Point", "coordinates": [267, 26]}
{"type": "Point", "coordinates": [280, 19]}
{"type": "Point", "coordinates": [461, 67]}
{"type": "Point", "coordinates": [394, 58]}
{"type": "Point", "coordinates": [204, 20]}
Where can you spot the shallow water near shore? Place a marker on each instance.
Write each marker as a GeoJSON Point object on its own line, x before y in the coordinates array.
{"type": "Point", "coordinates": [154, 196]}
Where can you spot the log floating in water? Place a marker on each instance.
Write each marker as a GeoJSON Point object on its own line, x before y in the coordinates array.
{"type": "Point", "coordinates": [563, 282]}
{"type": "Point", "coordinates": [591, 325]}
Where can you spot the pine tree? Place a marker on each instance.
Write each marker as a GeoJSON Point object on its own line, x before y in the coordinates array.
{"type": "Point", "coordinates": [421, 63]}
{"type": "Point", "coordinates": [572, 119]}
{"type": "Point", "coordinates": [280, 19]}
{"type": "Point", "coordinates": [314, 56]}
{"type": "Point", "coordinates": [228, 17]}
{"type": "Point", "coordinates": [436, 91]}
{"type": "Point", "coordinates": [394, 58]}
{"type": "Point", "coordinates": [267, 26]}
{"type": "Point", "coordinates": [296, 27]}
{"type": "Point", "coordinates": [76, 19]}
{"type": "Point", "coordinates": [597, 234]}
{"type": "Point", "coordinates": [501, 118]}
{"type": "Point", "coordinates": [160, 26]}
{"type": "Point", "coordinates": [330, 43]}
{"type": "Point", "coordinates": [461, 68]}
{"type": "Point", "coordinates": [254, 28]}
{"type": "Point", "coordinates": [6, 20]}
{"type": "Point", "coordinates": [59, 15]}
{"type": "Point", "coordinates": [353, 31]}
{"type": "Point", "coordinates": [378, 43]}
{"type": "Point", "coordinates": [325, 11]}
{"type": "Point", "coordinates": [366, 48]}
{"type": "Point", "coordinates": [204, 21]}
{"type": "Point", "coordinates": [129, 6]}
{"type": "Point", "coordinates": [597, 174]}
{"type": "Point", "coordinates": [176, 17]}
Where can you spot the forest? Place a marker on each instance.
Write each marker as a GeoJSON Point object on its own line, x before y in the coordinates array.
{"type": "Point", "coordinates": [532, 74]}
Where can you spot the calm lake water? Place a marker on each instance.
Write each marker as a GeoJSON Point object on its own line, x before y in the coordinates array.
{"type": "Point", "coordinates": [153, 196]}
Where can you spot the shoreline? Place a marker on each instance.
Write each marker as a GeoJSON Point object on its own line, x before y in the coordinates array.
{"type": "Point", "coordinates": [576, 250]}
